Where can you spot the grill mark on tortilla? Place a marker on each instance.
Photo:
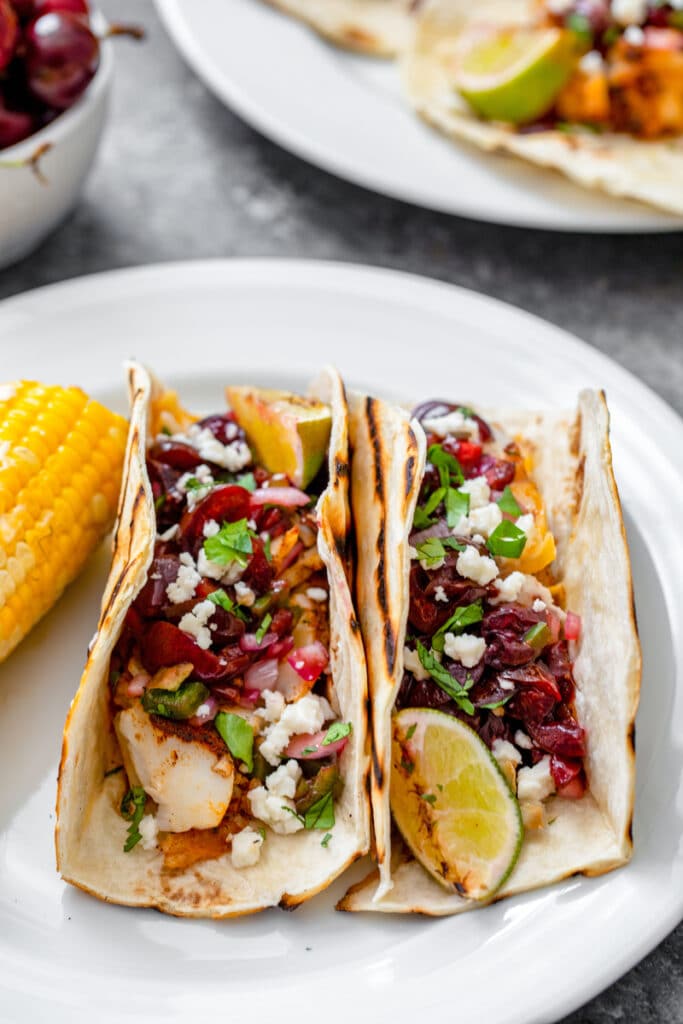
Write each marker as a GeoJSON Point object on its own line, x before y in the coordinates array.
{"type": "Point", "coordinates": [380, 575]}
{"type": "Point", "coordinates": [410, 472]}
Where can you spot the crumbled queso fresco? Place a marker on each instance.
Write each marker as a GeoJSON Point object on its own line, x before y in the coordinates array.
{"type": "Point", "coordinates": [306, 715]}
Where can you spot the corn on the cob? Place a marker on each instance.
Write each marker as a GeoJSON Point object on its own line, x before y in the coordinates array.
{"type": "Point", "coordinates": [61, 457]}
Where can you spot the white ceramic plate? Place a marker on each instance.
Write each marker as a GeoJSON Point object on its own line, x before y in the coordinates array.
{"type": "Point", "coordinates": [346, 114]}
{"type": "Point", "coordinates": [66, 957]}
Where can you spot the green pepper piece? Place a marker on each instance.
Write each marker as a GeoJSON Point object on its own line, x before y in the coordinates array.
{"type": "Point", "coordinates": [309, 791]}
{"type": "Point", "coordinates": [263, 604]}
{"type": "Point", "coordinates": [176, 704]}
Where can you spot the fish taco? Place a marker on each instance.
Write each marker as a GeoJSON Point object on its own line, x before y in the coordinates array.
{"type": "Point", "coordinates": [214, 757]}
{"type": "Point", "coordinates": [496, 604]}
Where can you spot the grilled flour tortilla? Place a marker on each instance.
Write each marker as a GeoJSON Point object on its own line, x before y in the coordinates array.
{"type": "Point", "coordinates": [572, 467]}
{"type": "Point", "coordinates": [91, 832]}
{"type": "Point", "coordinates": [379, 27]}
{"type": "Point", "coordinates": [616, 163]}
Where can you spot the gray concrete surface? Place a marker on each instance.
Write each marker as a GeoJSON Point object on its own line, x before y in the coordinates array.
{"type": "Point", "coordinates": [181, 177]}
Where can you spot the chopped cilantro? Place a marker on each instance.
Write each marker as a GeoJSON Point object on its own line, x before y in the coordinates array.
{"type": "Point", "coordinates": [337, 731]}
{"type": "Point", "coordinates": [496, 703]}
{"type": "Point", "coordinates": [133, 810]}
{"type": "Point", "coordinates": [411, 731]}
{"type": "Point", "coordinates": [465, 411]}
{"type": "Point", "coordinates": [321, 813]}
{"type": "Point", "coordinates": [423, 514]}
{"type": "Point", "coordinates": [238, 737]}
{"type": "Point", "coordinates": [232, 543]}
{"type": "Point", "coordinates": [266, 548]}
{"type": "Point", "coordinates": [581, 26]}
{"type": "Point", "coordinates": [193, 484]}
{"type": "Point", "coordinates": [508, 504]}
{"type": "Point", "coordinates": [457, 506]}
{"type": "Point", "coordinates": [325, 841]}
{"type": "Point", "coordinates": [263, 628]}
{"type": "Point", "coordinates": [429, 797]}
{"type": "Point", "coordinates": [261, 831]}
{"type": "Point", "coordinates": [507, 540]}
{"type": "Point", "coordinates": [407, 766]}
{"type": "Point", "coordinates": [445, 680]}
{"type": "Point", "coordinates": [433, 550]}
{"type": "Point", "coordinates": [159, 502]}
{"type": "Point", "coordinates": [462, 617]}
{"type": "Point", "coordinates": [220, 598]}
{"type": "Point", "coordinates": [448, 466]}
{"type": "Point", "coordinates": [247, 481]}
{"type": "Point", "coordinates": [290, 810]}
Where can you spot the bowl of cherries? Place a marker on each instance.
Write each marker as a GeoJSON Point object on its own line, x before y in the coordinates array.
{"type": "Point", "coordinates": [55, 75]}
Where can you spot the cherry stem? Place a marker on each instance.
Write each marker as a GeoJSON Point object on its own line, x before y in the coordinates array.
{"type": "Point", "coordinates": [132, 31]}
{"type": "Point", "coordinates": [32, 162]}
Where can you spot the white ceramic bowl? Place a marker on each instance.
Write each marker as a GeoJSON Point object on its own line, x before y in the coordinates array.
{"type": "Point", "coordinates": [31, 209]}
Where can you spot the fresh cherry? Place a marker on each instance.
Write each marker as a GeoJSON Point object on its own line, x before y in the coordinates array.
{"type": "Point", "coordinates": [62, 56]}
{"type": "Point", "coordinates": [9, 32]}
{"type": "Point", "coordinates": [56, 6]}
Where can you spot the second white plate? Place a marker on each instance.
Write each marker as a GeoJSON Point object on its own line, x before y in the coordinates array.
{"type": "Point", "coordinates": [347, 115]}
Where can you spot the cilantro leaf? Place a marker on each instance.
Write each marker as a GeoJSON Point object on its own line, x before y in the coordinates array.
{"type": "Point", "coordinates": [461, 618]}
{"type": "Point", "coordinates": [133, 810]}
{"type": "Point", "coordinates": [238, 737]}
{"type": "Point", "coordinates": [496, 703]}
{"type": "Point", "coordinates": [448, 466]}
{"type": "Point", "coordinates": [247, 481]}
{"type": "Point", "coordinates": [326, 839]}
{"type": "Point", "coordinates": [337, 731]}
{"type": "Point", "coordinates": [193, 484]}
{"type": "Point", "coordinates": [457, 506]}
{"type": "Point", "coordinates": [444, 679]}
{"type": "Point", "coordinates": [431, 552]}
{"type": "Point", "coordinates": [232, 543]}
{"type": "Point", "coordinates": [321, 813]}
{"type": "Point", "coordinates": [429, 797]}
{"type": "Point", "coordinates": [411, 731]}
{"type": "Point", "coordinates": [263, 628]}
{"type": "Point", "coordinates": [220, 598]}
{"type": "Point", "coordinates": [423, 513]}
{"type": "Point", "coordinates": [290, 810]}
{"type": "Point", "coordinates": [508, 504]}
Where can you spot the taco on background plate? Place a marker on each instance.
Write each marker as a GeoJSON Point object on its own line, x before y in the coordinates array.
{"type": "Point", "coordinates": [594, 91]}
{"type": "Point", "coordinates": [496, 604]}
{"type": "Point", "coordinates": [378, 27]}
{"type": "Point", "coordinates": [214, 757]}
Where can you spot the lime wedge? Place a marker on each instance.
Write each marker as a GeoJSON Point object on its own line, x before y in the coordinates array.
{"type": "Point", "coordinates": [516, 74]}
{"type": "Point", "coordinates": [288, 434]}
{"type": "Point", "coordinates": [452, 803]}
